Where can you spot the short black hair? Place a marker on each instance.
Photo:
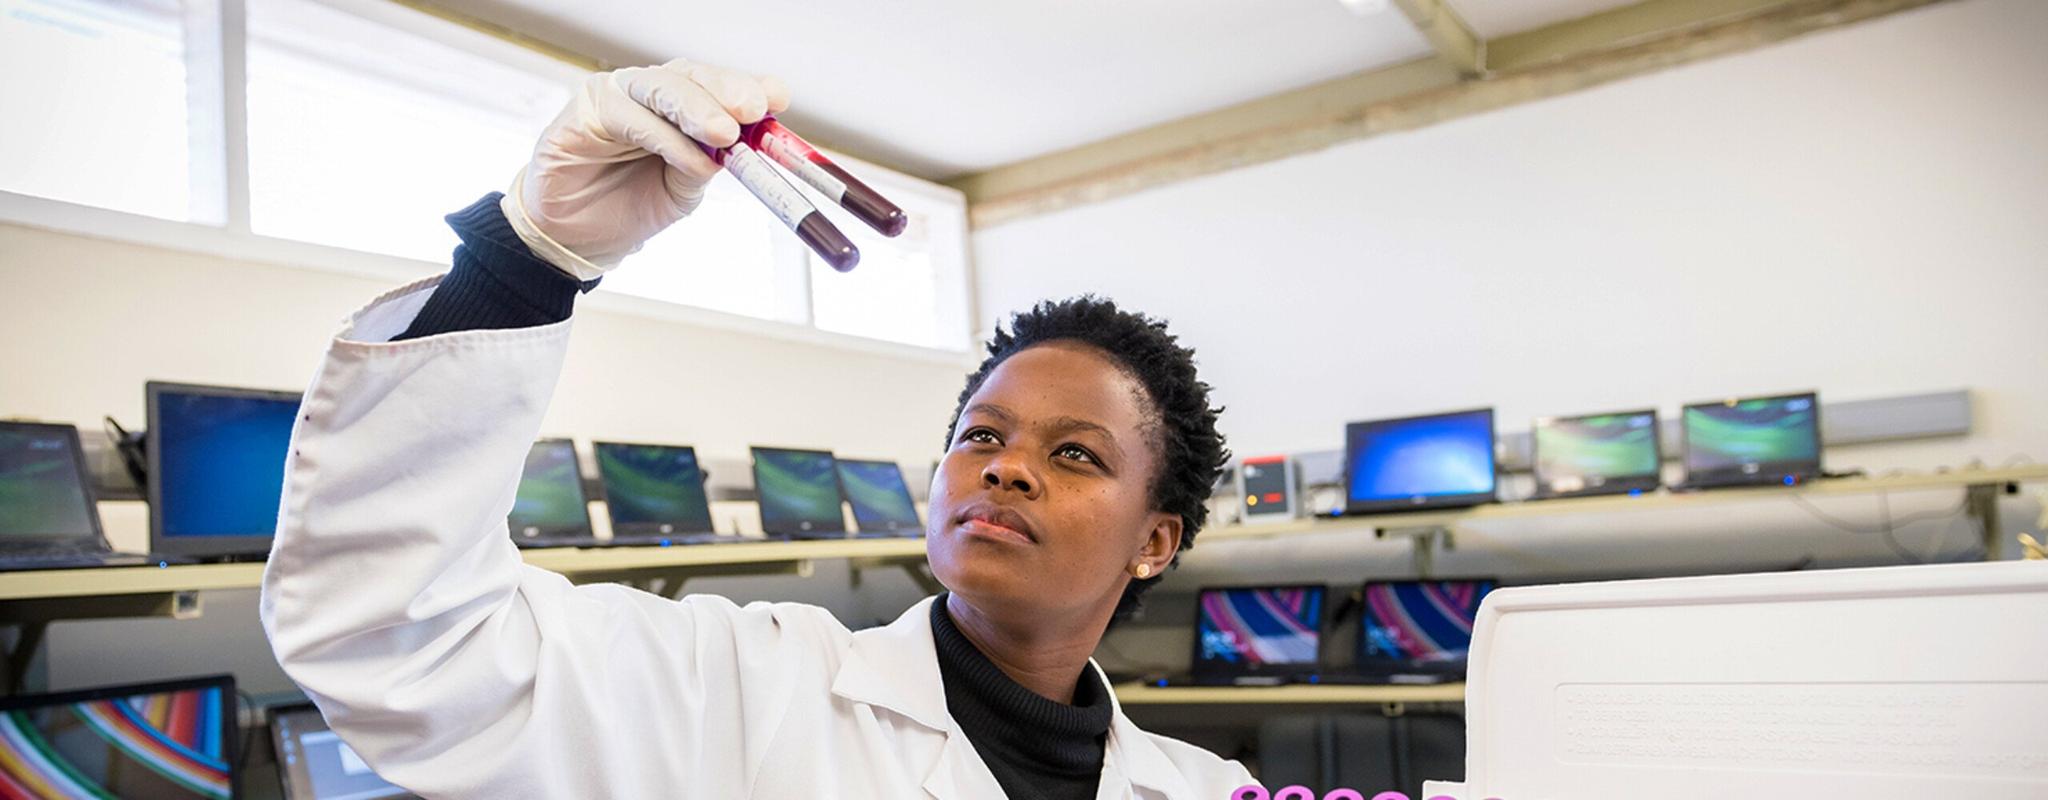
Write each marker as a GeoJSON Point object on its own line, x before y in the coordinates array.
{"type": "Point", "coordinates": [1192, 452]}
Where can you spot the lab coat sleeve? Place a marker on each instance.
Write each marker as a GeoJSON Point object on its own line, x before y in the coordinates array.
{"type": "Point", "coordinates": [395, 598]}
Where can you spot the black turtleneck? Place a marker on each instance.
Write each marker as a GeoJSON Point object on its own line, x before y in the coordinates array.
{"type": "Point", "coordinates": [1038, 749]}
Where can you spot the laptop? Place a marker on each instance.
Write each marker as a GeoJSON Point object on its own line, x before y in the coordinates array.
{"type": "Point", "coordinates": [174, 740]}
{"type": "Point", "coordinates": [1414, 463]}
{"type": "Point", "coordinates": [48, 517]}
{"type": "Point", "coordinates": [1256, 635]}
{"type": "Point", "coordinates": [313, 763]}
{"type": "Point", "coordinates": [1597, 454]}
{"type": "Point", "coordinates": [881, 500]}
{"type": "Point", "coordinates": [550, 510]}
{"type": "Point", "coordinates": [1415, 632]}
{"type": "Point", "coordinates": [798, 492]}
{"type": "Point", "coordinates": [1755, 441]}
{"type": "Point", "coordinates": [216, 468]}
{"type": "Point", "coordinates": [654, 494]}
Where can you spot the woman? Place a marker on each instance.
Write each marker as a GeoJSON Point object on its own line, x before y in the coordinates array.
{"type": "Point", "coordinates": [1074, 474]}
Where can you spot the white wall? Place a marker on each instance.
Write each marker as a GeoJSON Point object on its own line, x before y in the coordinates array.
{"type": "Point", "coordinates": [1860, 212]}
{"type": "Point", "coordinates": [84, 322]}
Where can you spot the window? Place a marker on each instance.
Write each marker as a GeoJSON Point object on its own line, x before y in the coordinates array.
{"type": "Point", "coordinates": [729, 255]}
{"type": "Point", "coordinates": [910, 289]}
{"type": "Point", "coordinates": [337, 133]}
{"type": "Point", "coordinates": [363, 136]}
{"type": "Point", "coordinates": [93, 92]}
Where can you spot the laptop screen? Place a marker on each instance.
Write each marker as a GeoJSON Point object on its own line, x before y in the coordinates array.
{"type": "Point", "coordinates": [1251, 630]}
{"type": "Point", "coordinates": [42, 484]}
{"type": "Point", "coordinates": [1757, 435]}
{"type": "Point", "coordinates": [314, 763]}
{"type": "Point", "coordinates": [880, 499]}
{"type": "Point", "coordinates": [1579, 453]}
{"type": "Point", "coordinates": [1419, 625]}
{"type": "Point", "coordinates": [1444, 459]}
{"type": "Point", "coordinates": [217, 459]}
{"type": "Point", "coordinates": [550, 499]}
{"type": "Point", "coordinates": [653, 489]}
{"type": "Point", "coordinates": [167, 740]}
{"type": "Point", "coordinates": [798, 490]}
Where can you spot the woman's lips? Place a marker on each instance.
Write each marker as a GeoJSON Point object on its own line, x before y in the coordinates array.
{"type": "Point", "coordinates": [991, 521]}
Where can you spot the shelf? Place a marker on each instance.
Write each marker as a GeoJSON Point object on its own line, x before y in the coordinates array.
{"type": "Point", "coordinates": [1138, 694]}
{"type": "Point", "coordinates": [712, 558]}
{"type": "Point", "coordinates": [1656, 501]}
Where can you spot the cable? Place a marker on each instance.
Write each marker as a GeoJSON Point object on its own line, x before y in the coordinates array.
{"type": "Point", "coordinates": [1889, 530]}
{"type": "Point", "coordinates": [242, 759]}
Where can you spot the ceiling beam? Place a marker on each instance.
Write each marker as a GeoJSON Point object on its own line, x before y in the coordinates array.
{"type": "Point", "coordinates": [1547, 62]}
{"type": "Point", "coordinates": [1454, 41]}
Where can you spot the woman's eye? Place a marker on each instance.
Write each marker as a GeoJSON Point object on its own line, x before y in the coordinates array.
{"type": "Point", "coordinates": [1076, 453]}
{"type": "Point", "coordinates": [979, 435]}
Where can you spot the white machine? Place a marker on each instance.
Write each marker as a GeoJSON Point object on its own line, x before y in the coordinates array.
{"type": "Point", "coordinates": [1267, 487]}
{"type": "Point", "coordinates": [1893, 683]}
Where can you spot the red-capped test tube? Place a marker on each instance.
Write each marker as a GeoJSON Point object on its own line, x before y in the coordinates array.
{"type": "Point", "coordinates": [830, 179]}
{"type": "Point", "coordinates": [788, 204]}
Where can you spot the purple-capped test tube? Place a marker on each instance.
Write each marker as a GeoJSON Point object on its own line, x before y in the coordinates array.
{"type": "Point", "coordinates": [754, 172]}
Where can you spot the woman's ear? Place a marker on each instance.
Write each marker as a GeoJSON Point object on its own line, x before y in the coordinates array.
{"type": "Point", "coordinates": [1162, 540]}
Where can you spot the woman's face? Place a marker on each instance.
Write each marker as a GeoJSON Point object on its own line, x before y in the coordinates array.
{"type": "Point", "coordinates": [1042, 502]}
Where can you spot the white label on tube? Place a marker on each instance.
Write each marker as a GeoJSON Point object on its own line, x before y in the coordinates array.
{"type": "Point", "coordinates": [768, 185]}
{"type": "Point", "coordinates": [792, 159]}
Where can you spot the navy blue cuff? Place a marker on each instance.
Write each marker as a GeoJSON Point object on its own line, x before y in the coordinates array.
{"type": "Point", "coordinates": [495, 281]}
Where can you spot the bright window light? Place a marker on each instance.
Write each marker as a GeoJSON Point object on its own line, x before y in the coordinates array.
{"type": "Point", "coordinates": [724, 256]}
{"type": "Point", "coordinates": [362, 135]}
{"type": "Point", "coordinates": [909, 289]}
{"type": "Point", "coordinates": [93, 94]}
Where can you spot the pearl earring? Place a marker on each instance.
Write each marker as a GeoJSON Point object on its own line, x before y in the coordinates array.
{"type": "Point", "coordinates": [1143, 571]}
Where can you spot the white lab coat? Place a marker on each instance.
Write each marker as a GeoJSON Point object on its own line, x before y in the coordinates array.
{"type": "Point", "coordinates": [395, 598]}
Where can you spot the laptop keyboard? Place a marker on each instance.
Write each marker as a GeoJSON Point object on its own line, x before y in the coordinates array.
{"type": "Point", "coordinates": [54, 557]}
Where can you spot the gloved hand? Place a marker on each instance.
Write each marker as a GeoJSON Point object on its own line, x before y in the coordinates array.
{"type": "Point", "coordinates": [615, 167]}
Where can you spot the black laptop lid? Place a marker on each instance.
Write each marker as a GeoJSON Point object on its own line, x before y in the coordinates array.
{"type": "Point", "coordinates": [313, 763]}
{"type": "Point", "coordinates": [1593, 453]}
{"type": "Point", "coordinates": [550, 503]}
{"type": "Point", "coordinates": [45, 490]}
{"type": "Point", "coordinates": [1754, 440]}
{"type": "Point", "coordinates": [216, 467]}
{"type": "Point", "coordinates": [798, 491]}
{"type": "Point", "coordinates": [1258, 631]}
{"type": "Point", "coordinates": [880, 499]}
{"type": "Point", "coordinates": [1419, 626]}
{"type": "Point", "coordinates": [165, 741]}
{"type": "Point", "coordinates": [652, 489]}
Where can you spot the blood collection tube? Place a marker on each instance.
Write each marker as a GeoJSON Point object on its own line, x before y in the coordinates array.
{"type": "Point", "coordinates": [830, 179]}
{"type": "Point", "coordinates": [789, 205]}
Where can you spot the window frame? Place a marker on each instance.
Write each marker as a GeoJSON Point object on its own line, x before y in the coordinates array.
{"type": "Point", "coordinates": [215, 38]}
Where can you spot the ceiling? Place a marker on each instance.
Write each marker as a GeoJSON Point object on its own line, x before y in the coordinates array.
{"type": "Point", "coordinates": [941, 88]}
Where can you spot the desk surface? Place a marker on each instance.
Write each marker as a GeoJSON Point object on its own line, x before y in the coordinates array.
{"type": "Point", "coordinates": [1134, 694]}
{"type": "Point", "coordinates": [614, 560]}
{"type": "Point", "coordinates": [1649, 501]}
{"type": "Point", "coordinates": [567, 560]}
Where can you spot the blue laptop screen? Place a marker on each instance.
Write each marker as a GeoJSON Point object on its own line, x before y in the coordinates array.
{"type": "Point", "coordinates": [1447, 454]}
{"type": "Point", "coordinates": [1248, 628]}
{"type": "Point", "coordinates": [221, 465]}
{"type": "Point", "coordinates": [1420, 623]}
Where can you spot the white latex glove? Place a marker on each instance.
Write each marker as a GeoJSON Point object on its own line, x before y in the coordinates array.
{"type": "Point", "coordinates": [617, 165]}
